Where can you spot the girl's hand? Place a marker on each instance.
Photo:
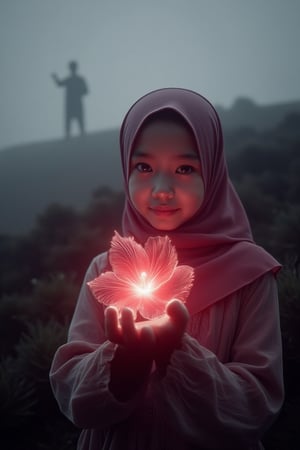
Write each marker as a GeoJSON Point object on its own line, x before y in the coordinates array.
{"type": "Point", "coordinates": [124, 331]}
{"type": "Point", "coordinates": [141, 343]}
{"type": "Point", "coordinates": [168, 332]}
{"type": "Point", "coordinates": [165, 331]}
{"type": "Point", "coordinates": [134, 355]}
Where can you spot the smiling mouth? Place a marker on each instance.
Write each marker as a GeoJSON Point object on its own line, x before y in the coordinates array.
{"type": "Point", "coordinates": [163, 211]}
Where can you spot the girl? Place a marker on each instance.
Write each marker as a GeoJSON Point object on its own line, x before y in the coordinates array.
{"type": "Point", "coordinates": [209, 376]}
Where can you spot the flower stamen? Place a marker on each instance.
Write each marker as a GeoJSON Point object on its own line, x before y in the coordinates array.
{"type": "Point", "coordinates": [144, 287]}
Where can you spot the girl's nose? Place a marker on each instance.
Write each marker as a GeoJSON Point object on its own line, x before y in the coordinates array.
{"type": "Point", "coordinates": [163, 188]}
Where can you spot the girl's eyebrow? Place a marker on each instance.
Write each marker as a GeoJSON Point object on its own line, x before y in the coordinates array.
{"type": "Point", "coordinates": [142, 154]}
{"type": "Point", "coordinates": [191, 156]}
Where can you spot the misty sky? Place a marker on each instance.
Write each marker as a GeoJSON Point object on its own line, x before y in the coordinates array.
{"type": "Point", "coordinates": [125, 48]}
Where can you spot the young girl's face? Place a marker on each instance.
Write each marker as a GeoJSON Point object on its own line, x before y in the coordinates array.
{"type": "Point", "coordinates": [165, 183]}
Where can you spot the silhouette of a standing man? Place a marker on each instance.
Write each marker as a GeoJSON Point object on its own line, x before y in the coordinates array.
{"type": "Point", "coordinates": [75, 89]}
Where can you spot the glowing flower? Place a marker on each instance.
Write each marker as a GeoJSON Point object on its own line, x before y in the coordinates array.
{"type": "Point", "coordinates": [143, 278]}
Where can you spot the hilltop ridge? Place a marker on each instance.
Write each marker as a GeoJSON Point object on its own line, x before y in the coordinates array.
{"type": "Point", "coordinates": [61, 171]}
{"type": "Point", "coordinates": [32, 176]}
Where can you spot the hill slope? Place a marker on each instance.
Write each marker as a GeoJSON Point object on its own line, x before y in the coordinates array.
{"type": "Point", "coordinates": [68, 171]}
{"type": "Point", "coordinates": [65, 172]}
{"type": "Point", "coordinates": [244, 113]}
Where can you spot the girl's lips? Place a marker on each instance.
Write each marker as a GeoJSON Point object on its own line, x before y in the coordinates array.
{"type": "Point", "coordinates": [163, 210]}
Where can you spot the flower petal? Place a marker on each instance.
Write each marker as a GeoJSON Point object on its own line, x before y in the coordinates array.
{"type": "Point", "coordinates": [178, 286]}
{"type": "Point", "coordinates": [162, 258]}
{"type": "Point", "coordinates": [113, 291]}
{"type": "Point", "coordinates": [152, 308]}
{"type": "Point", "coordinates": [128, 258]}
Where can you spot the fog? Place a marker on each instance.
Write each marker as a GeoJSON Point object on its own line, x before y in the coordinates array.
{"type": "Point", "coordinates": [223, 49]}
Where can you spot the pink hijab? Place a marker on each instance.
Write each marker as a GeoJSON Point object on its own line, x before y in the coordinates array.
{"type": "Point", "coordinates": [217, 240]}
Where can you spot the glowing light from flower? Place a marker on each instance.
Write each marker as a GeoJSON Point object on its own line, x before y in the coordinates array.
{"type": "Point", "coordinates": [144, 287]}
{"type": "Point", "coordinates": [145, 278]}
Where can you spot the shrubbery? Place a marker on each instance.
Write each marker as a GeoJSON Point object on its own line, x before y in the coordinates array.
{"type": "Point", "coordinates": [40, 281]}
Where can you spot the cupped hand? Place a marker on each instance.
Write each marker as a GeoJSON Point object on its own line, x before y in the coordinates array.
{"type": "Point", "coordinates": [124, 331]}
{"type": "Point", "coordinates": [172, 326]}
{"type": "Point", "coordinates": [143, 342]}
{"type": "Point", "coordinates": [134, 355]}
{"type": "Point", "coordinates": [168, 331]}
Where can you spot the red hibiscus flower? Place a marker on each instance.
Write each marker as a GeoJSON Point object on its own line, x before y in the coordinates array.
{"type": "Point", "coordinates": [145, 278]}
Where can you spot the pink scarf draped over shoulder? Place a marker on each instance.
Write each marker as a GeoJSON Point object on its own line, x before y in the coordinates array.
{"type": "Point", "coordinates": [217, 241]}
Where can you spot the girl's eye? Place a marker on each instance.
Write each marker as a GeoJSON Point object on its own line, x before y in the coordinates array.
{"type": "Point", "coordinates": [143, 167]}
{"type": "Point", "coordinates": [185, 170]}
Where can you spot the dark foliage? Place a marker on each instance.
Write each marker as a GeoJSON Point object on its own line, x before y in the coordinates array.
{"type": "Point", "coordinates": [40, 280]}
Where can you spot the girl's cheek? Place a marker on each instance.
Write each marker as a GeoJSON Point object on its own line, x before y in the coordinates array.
{"type": "Point", "coordinates": [136, 181]}
{"type": "Point", "coordinates": [134, 185]}
{"type": "Point", "coordinates": [130, 186]}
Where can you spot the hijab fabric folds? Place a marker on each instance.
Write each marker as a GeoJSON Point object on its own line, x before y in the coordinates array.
{"type": "Point", "coordinates": [217, 241]}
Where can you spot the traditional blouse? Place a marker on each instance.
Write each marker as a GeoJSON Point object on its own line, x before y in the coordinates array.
{"type": "Point", "coordinates": [223, 387]}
